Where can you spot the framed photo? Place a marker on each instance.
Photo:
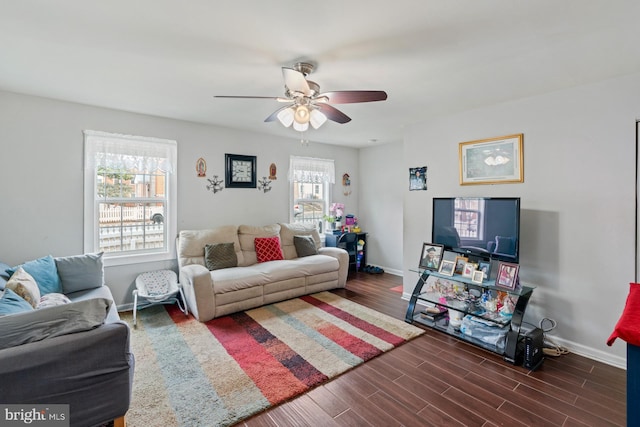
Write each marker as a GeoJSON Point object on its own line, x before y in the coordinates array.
{"type": "Point", "coordinates": [485, 267]}
{"type": "Point", "coordinates": [492, 161]}
{"type": "Point", "coordinates": [447, 267]}
{"type": "Point", "coordinates": [460, 261]}
{"type": "Point", "coordinates": [477, 276]}
{"type": "Point", "coordinates": [430, 256]}
{"type": "Point", "coordinates": [240, 171]}
{"type": "Point", "coordinates": [507, 275]}
{"type": "Point", "coordinates": [418, 178]}
{"type": "Point", "coordinates": [469, 268]}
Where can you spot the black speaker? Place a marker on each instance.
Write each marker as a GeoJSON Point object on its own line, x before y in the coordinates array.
{"type": "Point", "coordinates": [533, 344]}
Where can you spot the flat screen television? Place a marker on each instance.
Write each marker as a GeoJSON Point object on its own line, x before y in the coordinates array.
{"type": "Point", "coordinates": [481, 227]}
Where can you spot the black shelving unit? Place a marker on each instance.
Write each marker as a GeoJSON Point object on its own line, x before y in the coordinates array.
{"type": "Point", "coordinates": [521, 294]}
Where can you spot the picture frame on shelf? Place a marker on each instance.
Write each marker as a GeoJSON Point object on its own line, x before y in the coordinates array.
{"type": "Point", "coordinates": [507, 276]}
{"type": "Point", "coordinates": [430, 256]}
{"type": "Point", "coordinates": [469, 268]}
{"type": "Point", "coordinates": [485, 267]}
{"type": "Point", "coordinates": [496, 160]}
{"type": "Point", "coordinates": [447, 267]}
{"type": "Point", "coordinates": [240, 171]}
{"type": "Point", "coordinates": [460, 263]}
{"type": "Point", "coordinates": [477, 276]}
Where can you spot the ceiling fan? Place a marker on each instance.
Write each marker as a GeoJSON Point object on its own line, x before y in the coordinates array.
{"type": "Point", "coordinates": [307, 105]}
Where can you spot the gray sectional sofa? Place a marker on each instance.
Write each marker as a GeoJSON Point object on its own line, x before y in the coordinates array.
{"type": "Point", "coordinates": [243, 282]}
{"type": "Point", "coordinates": [75, 353]}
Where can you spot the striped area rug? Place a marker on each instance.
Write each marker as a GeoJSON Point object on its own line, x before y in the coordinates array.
{"type": "Point", "coordinates": [217, 373]}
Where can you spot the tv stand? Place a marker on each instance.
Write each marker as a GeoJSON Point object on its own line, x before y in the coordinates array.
{"type": "Point", "coordinates": [495, 332]}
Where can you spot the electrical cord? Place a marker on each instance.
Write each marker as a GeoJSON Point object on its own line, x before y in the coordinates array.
{"type": "Point", "coordinates": [551, 348]}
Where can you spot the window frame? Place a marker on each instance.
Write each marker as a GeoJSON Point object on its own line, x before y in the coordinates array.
{"type": "Point", "coordinates": [92, 201]}
{"type": "Point", "coordinates": [327, 180]}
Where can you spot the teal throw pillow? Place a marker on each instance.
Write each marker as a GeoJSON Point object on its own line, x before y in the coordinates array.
{"type": "Point", "coordinates": [12, 303]}
{"type": "Point", "coordinates": [44, 272]}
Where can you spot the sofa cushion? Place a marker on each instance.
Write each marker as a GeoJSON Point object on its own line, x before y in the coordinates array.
{"type": "Point", "coordinates": [305, 246]}
{"type": "Point", "coordinates": [36, 325]}
{"type": "Point", "coordinates": [25, 286]}
{"type": "Point", "coordinates": [220, 255]}
{"type": "Point", "coordinates": [268, 249]}
{"type": "Point", "coordinates": [191, 243]}
{"type": "Point", "coordinates": [247, 235]}
{"type": "Point", "coordinates": [12, 303]}
{"type": "Point", "coordinates": [80, 272]}
{"type": "Point", "coordinates": [289, 231]}
{"type": "Point", "coordinates": [45, 273]}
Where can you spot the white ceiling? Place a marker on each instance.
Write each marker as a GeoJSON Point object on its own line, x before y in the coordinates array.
{"type": "Point", "coordinates": [169, 58]}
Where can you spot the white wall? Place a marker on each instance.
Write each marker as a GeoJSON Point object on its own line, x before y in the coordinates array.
{"type": "Point", "coordinates": [578, 200]}
{"type": "Point", "coordinates": [384, 182]}
{"type": "Point", "coordinates": [41, 177]}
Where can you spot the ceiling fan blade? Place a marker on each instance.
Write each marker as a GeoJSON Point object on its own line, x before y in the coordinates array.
{"type": "Point", "coordinates": [333, 113]}
{"type": "Point", "coordinates": [353, 96]}
{"type": "Point", "coordinates": [274, 115]}
{"type": "Point", "coordinates": [295, 81]}
{"type": "Point", "coordinates": [247, 97]}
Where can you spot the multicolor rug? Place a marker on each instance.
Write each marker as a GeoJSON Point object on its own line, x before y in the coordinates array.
{"type": "Point", "coordinates": [217, 373]}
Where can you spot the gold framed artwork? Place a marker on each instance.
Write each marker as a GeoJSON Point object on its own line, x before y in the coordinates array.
{"type": "Point", "coordinates": [492, 161]}
{"type": "Point", "coordinates": [201, 168]}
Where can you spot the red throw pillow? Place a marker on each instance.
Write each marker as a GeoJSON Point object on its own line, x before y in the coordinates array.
{"type": "Point", "coordinates": [628, 326]}
{"type": "Point", "coordinates": [268, 248]}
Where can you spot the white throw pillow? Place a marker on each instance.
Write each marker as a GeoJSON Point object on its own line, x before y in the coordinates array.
{"type": "Point", "coordinates": [52, 299]}
{"type": "Point", "coordinates": [23, 284]}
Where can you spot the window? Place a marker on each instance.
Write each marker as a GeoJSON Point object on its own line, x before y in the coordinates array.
{"type": "Point", "coordinates": [130, 193]}
{"type": "Point", "coordinates": [311, 182]}
{"type": "Point", "coordinates": [468, 214]}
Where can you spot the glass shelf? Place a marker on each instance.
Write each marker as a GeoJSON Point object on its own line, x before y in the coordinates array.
{"type": "Point", "coordinates": [473, 301]}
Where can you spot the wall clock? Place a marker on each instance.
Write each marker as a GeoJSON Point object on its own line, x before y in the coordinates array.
{"type": "Point", "coordinates": [240, 171]}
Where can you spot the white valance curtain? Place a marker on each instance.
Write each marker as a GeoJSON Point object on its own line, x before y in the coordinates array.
{"type": "Point", "coordinates": [311, 170]}
{"type": "Point", "coordinates": [142, 154]}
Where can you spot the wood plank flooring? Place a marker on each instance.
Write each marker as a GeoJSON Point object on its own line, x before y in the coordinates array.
{"type": "Point", "coordinates": [437, 380]}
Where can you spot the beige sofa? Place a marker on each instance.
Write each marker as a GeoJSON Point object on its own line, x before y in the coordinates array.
{"type": "Point", "coordinates": [251, 284]}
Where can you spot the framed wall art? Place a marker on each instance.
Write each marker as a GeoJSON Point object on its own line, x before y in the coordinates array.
{"type": "Point", "coordinates": [430, 256]}
{"type": "Point", "coordinates": [240, 171]}
{"type": "Point", "coordinates": [418, 178]}
{"type": "Point", "coordinates": [492, 161]}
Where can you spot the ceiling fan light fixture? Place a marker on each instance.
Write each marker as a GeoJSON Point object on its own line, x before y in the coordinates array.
{"type": "Point", "coordinates": [286, 117]}
{"type": "Point", "coordinates": [300, 127]}
{"type": "Point", "coordinates": [317, 118]}
{"type": "Point", "coordinates": [301, 115]}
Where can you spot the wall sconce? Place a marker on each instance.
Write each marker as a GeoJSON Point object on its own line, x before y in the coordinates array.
{"type": "Point", "coordinates": [264, 184]}
{"type": "Point", "coordinates": [215, 184]}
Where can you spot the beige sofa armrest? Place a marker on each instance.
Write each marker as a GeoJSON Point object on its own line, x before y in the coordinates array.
{"type": "Point", "coordinates": [343, 259]}
{"type": "Point", "coordinates": [197, 286]}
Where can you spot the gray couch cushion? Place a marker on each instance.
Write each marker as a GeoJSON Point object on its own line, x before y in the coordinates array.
{"type": "Point", "coordinates": [38, 325]}
{"type": "Point", "coordinates": [220, 255]}
{"type": "Point", "coordinates": [80, 272]}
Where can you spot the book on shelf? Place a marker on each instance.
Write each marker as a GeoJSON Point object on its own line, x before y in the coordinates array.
{"type": "Point", "coordinates": [432, 315]}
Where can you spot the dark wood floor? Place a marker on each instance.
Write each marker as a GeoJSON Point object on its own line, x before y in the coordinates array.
{"type": "Point", "coordinates": [437, 380]}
